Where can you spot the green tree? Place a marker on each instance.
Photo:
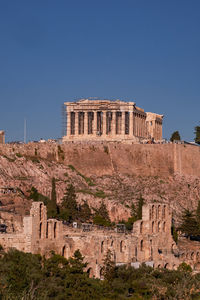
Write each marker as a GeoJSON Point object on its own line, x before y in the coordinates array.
{"type": "Point", "coordinates": [175, 136]}
{"type": "Point", "coordinates": [108, 267]}
{"type": "Point", "coordinates": [101, 216]}
{"type": "Point", "coordinates": [198, 213]}
{"type": "Point", "coordinates": [189, 223]}
{"type": "Point", "coordinates": [85, 213]}
{"type": "Point", "coordinates": [139, 207]}
{"type": "Point", "coordinates": [69, 209]}
{"type": "Point", "coordinates": [197, 134]}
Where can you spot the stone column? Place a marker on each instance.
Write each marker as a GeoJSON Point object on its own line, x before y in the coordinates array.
{"type": "Point", "coordinates": [104, 123]}
{"type": "Point", "coordinates": [68, 123]}
{"type": "Point", "coordinates": [131, 123]}
{"type": "Point", "coordinates": [86, 123]}
{"type": "Point", "coordinates": [76, 124]}
{"type": "Point", "coordinates": [113, 125]}
{"type": "Point", "coordinates": [95, 124]}
{"type": "Point", "coordinates": [123, 123]}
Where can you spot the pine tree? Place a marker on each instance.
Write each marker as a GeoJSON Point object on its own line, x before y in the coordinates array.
{"type": "Point", "coordinates": [52, 204]}
{"type": "Point", "coordinates": [139, 207]}
{"type": "Point", "coordinates": [189, 223]}
{"type": "Point", "coordinates": [108, 267]}
{"type": "Point", "coordinates": [197, 134]}
{"type": "Point", "coordinates": [69, 209]}
{"type": "Point", "coordinates": [85, 212]}
{"type": "Point", "coordinates": [175, 136]}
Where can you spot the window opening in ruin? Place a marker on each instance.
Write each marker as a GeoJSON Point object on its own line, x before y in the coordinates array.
{"type": "Point", "coordinates": [153, 212]}
{"type": "Point", "coordinates": [72, 122]}
{"type": "Point", "coordinates": [136, 252]}
{"type": "Point", "coordinates": [159, 226]}
{"type": "Point", "coordinates": [153, 227]}
{"type": "Point", "coordinates": [99, 123]}
{"type": "Point", "coordinates": [164, 209]}
{"type": "Point", "coordinates": [63, 251]}
{"type": "Point", "coordinates": [127, 122]}
{"type": "Point", "coordinates": [40, 211]}
{"type": "Point", "coordinates": [101, 273]}
{"type": "Point", "coordinates": [102, 246]}
{"type": "Point", "coordinates": [118, 122]}
{"type": "Point", "coordinates": [166, 266]}
{"type": "Point", "coordinates": [159, 212]}
{"type": "Point", "coordinates": [47, 230]}
{"type": "Point", "coordinates": [141, 245]}
{"type": "Point", "coordinates": [121, 246]}
{"type": "Point", "coordinates": [192, 255]}
{"type": "Point", "coordinates": [108, 121]}
{"type": "Point", "coordinates": [90, 272]}
{"type": "Point", "coordinates": [40, 231]}
{"type": "Point", "coordinates": [81, 123]}
{"type": "Point", "coordinates": [164, 227]}
{"type": "Point", "coordinates": [111, 244]}
{"type": "Point", "coordinates": [55, 230]}
{"type": "Point", "coordinates": [90, 122]}
{"type": "Point", "coordinates": [141, 227]}
{"type": "Point", "coordinates": [149, 214]}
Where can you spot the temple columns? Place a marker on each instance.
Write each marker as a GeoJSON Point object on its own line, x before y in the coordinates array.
{"type": "Point", "coordinates": [123, 123]}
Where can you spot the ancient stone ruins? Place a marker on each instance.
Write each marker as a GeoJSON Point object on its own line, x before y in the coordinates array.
{"type": "Point", "coordinates": [110, 121]}
{"type": "Point", "coordinates": [2, 137]}
{"type": "Point", "coordinates": [149, 242]}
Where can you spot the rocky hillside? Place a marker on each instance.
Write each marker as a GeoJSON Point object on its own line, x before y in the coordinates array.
{"type": "Point", "coordinates": [116, 174]}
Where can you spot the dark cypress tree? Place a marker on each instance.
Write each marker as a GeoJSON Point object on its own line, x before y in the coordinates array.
{"type": "Point", "coordinates": [189, 224]}
{"type": "Point", "coordinates": [197, 134]}
{"type": "Point", "coordinates": [175, 136]}
{"type": "Point", "coordinates": [52, 204]}
{"type": "Point", "coordinates": [139, 207]}
{"type": "Point", "coordinates": [85, 212]}
{"type": "Point", "coordinates": [69, 209]}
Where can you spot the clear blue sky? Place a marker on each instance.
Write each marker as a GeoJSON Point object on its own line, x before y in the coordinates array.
{"type": "Point", "coordinates": [147, 51]}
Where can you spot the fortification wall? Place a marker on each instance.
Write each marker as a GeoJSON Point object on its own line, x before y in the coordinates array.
{"type": "Point", "coordinates": [111, 158]}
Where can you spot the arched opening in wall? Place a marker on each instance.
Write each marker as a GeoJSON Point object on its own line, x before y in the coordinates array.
{"type": "Point", "coordinates": [40, 231]}
{"type": "Point", "coordinates": [153, 211]}
{"type": "Point", "coordinates": [164, 211]}
{"type": "Point", "coordinates": [64, 251]}
{"type": "Point", "coordinates": [159, 212]}
{"type": "Point", "coordinates": [159, 226]}
{"type": "Point", "coordinates": [151, 250]}
{"type": "Point", "coordinates": [159, 266]}
{"type": "Point", "coordinates": [101, 274]}
{"type": "Point", "coordinates": [197, 256]}
{"type": "Point", "coordinates": [121, 246]}
{"type": "Point", "coordinates": [136, 252]}
{"type": "Point", "coordinates": [183, 255]}
{"type": "Point", "coordinates": [150, 214]}
{"type": "Point", "coordinates": [102, 246]}
{"type": "Point", "coordinates": [141, 227]}
{"type": "Point", "coordinates": [164, 227]}
{"type": "Point", "coordinates": [192, 255]}
{"type": "Point", "coordinates": [40, 211]}
{"type": "Point", "coordinates": [90, 272]}
{"type": "Point", "coordinates": [111, 244]}
{"type": "Point", "coordinates": [47, 230]}
{"type": "Point", "coordinates": [153, 225]}
{"type": "Point", "coordinates": [55, 230]}
{"type": "Point", "coordinates": [141, 245]}
{"type": "Point", "coordinates": [166, 266]}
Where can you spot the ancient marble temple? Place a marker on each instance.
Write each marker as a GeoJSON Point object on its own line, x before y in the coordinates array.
{"type": "Point", "coordinates": [111, 121]}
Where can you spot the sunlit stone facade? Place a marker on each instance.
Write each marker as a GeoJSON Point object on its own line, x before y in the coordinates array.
{"type": "Point", "coordinates": [110, 120]}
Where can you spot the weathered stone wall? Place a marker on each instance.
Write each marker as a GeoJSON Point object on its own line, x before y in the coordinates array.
{"type": "Point", "coordinates": [111, 158]}
{"type": "Point", "coordinates": [150, 241]}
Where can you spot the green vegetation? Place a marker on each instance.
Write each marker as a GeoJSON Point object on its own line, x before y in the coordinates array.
{"type": "Point", "coordinates": [19, 155]}
{"type": "Point", "coordinates": [69, 208]}
{"type": "Point", "coordinates": [32, 277]}
{"type": "Point", "coordinates": [61, 154]}
{"type": "Point", "coordinates": [87, 179]}
{"type": "Point", "coordinates": [190, 222]}
{"type": "Point", "coordinates": [197, 135]}
{"type": "Point", "coordinates": [101, 216]}
{"type": "Point", "coordinates": [175, 136]}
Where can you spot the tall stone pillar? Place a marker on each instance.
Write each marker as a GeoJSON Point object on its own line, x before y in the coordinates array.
{"type": "Point", "coordinates": [104, 123]}
{"type": "Point", "coordinates": [68, 123]}
{"type": "Point", "coordinates": [76, 123]}
{"type": "Point", "coordinates": [113, 125]}
{"type": "Point", "coordinates": [95, 123]}
{"type": "Point", "coordinates": [86, 123]}
{"type": "Point", "coordinates": [131, 123]}
{"type": "Point", "coordinates": [123, 123]}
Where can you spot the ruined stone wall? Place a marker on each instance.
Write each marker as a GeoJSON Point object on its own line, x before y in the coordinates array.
{"type": "Point", "coordinates": [111, 158]}
{"type": "Point", "coordinates": [150, 240]}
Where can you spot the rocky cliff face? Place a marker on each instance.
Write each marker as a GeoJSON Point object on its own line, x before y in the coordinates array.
{"type": "Point", "coordinates": [115, 173]}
